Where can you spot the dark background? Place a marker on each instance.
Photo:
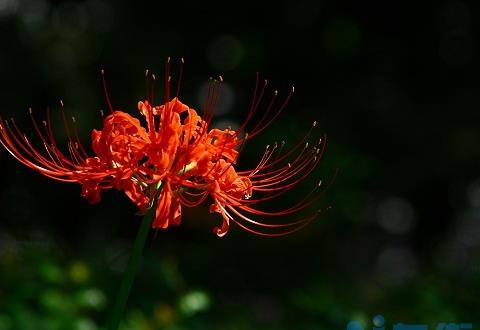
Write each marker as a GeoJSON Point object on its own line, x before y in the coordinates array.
{"type": "Point", "coordinates": [393, 85]}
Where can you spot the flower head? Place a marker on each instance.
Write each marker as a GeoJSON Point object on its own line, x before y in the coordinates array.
{"type": "Point", "coordinates": [175, 160]}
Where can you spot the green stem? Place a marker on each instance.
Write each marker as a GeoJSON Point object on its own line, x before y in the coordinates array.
{"type": "Point", "coordinates": [132, 267]}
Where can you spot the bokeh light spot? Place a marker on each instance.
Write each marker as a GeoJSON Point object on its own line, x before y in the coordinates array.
{"type": "Point", "coordinates": [194, 302]}
{"type": "Point", "coordinates": [396, 215]}
{"type": "Point", "coordinates": [225, 52]}
{"type": "Point", "coordinates": [84, 324]}
{"type": "Point", "coordinates": [79, 272]}
{"type": "Point", "coordinates": [92, 298]}
{"type": "Point", "coordinates": [395, 266]}
{"type": "Point", "coordinates": [354, 325]}
{"type": "Point", "coordinates": [378, 321]}
{"type": "Point", "coordinates": [8, 7]}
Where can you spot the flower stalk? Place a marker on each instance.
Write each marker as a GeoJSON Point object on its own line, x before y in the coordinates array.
{"type": "Point", "coordinates": [131, 270]}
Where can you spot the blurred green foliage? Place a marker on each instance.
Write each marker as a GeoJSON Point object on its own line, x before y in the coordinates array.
{"type": "Point", "coordinates": [42, 289]}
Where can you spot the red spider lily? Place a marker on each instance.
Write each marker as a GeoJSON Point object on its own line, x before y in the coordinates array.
{"type": "Point", "coordinates": [176, 160]}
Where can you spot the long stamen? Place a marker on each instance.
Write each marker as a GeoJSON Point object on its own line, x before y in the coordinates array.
{"type": "Point", "coordinates": [105, 91]}
{"type": "Point", "coordinates": [180, 76]}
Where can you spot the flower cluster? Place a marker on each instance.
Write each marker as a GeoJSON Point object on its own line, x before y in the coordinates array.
{"type": "Point", "coordinates": [175, 160]}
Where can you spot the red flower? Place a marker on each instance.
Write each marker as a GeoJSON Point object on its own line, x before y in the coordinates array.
{"type": "Point", "coordinates": [178, 162]}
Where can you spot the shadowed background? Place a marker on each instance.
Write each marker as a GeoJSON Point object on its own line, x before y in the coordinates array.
{"type": "Point", "coordinates": [394, 86]}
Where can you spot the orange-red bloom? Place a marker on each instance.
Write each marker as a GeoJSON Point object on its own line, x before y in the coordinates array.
{"type": "Point", "coordinates": [175, 160]}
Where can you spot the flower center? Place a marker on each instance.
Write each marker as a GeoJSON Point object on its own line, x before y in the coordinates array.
{"type": "Point", "coordinates": [187, 168]}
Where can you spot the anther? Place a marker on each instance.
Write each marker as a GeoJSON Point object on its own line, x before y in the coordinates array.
{"type": "Point", "coordinates": [267, 147]}
{"type": "Point", "coordinates": [319, 183]}
{"type": "Point", "coordinates": [73, 119]}
{"type": "Point", "coordinates": [30, 110]}
{"type": "Point", "coordinates": [102, 72]}
{"type": "Point", "coordinates": [61, 103]}
{"type": "Point", "coordinates": [306, 145]}
{"type": "Point", "coordinates": [101, 112]}
{"type": "Point", "coordinates": [44, 122]}
{"type": "Point", "coordinates": [293, 89]}
{"type": "Point", "coordinates": [289, 165]}
{"type": "Point", "coordinates": [146, 72]}
{"type": "Point", "coordinates": [155, 78]}
{"type": "Point", "coordinates": [168, 59]}
{"type": "Point", "coordinates": [220, 78]}
{"type": "Point", "coordinates": [275, 93]}
{"type": "Point", "coordinates": [182, 60]}
{"type": "Point", "coordinates": [314, 123]}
